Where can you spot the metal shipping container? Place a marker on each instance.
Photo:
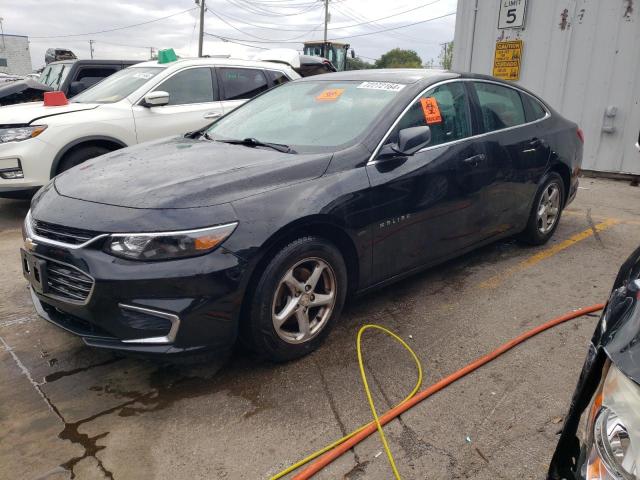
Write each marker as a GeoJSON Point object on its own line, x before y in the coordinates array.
{"type": "Point", "coordinates": [581, 56]}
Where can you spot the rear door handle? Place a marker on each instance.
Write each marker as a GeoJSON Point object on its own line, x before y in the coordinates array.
{"type": "Point", "coordinates": [475, 160]}
{"type": "Point", "coordinates": [212, 115]}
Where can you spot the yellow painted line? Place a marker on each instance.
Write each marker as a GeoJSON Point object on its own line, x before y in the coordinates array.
{"type": "Point", "coordinates": [548, 252]}
{"type": "Point", "coordinates": [577, 213]}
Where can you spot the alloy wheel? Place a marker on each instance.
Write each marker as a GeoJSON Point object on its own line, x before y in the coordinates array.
{"type": "Point", "coordinates": [304, 300]}
{"type": "Point", "coordinates": [548, 208]}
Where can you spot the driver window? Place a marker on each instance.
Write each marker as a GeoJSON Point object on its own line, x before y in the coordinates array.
{"type": "Point", "coordinates": [452, 123]}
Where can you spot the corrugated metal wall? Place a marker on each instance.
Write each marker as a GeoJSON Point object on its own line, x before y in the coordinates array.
{"type": "Point", "coordinates": [581, 56]}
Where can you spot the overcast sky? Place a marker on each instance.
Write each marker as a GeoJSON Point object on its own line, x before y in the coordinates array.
{"type": "Point", "coordinates": [285, 20]}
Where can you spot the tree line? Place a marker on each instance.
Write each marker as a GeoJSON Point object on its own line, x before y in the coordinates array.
{"type": "Point", "coordinates": [401, 58]}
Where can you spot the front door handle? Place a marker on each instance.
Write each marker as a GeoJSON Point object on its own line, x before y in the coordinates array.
{"type": "Point", "coordinates": [211, 115]}
{"type": "Point", "coordinates": [475, 160]}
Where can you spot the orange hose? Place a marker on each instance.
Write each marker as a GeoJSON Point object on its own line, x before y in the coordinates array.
{"type": "Point", "coordinates": [339, 450]}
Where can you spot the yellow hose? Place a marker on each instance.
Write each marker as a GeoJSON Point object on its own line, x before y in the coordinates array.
{"type": "Point", "coordinates": [371, 405]}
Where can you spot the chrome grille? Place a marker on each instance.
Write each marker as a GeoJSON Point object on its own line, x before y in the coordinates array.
{"type": "Point", "coordinates": [68, 283]}
{"type": "Point", "coordinates": [59, 233]}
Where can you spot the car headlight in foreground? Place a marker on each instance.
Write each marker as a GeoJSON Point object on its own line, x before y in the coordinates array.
{"type": "Point", "coordinates": [17, 134]}
{"type": "Point", "coordinates": [168, 245]}
{"type": "Point", "coordinates": [614, 427]}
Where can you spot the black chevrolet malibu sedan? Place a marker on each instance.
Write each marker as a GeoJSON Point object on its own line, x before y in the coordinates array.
{"type": "Point", "coordinates": [600, 439]}
{"type": "Point", "coordinates": [260, 225]}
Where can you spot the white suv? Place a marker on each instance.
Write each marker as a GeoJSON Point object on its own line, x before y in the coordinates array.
{"type": "Point", "coordinates": [140, 103]}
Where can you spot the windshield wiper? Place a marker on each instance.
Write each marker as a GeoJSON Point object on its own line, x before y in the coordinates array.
{"type": "Point", "coordinates": [254, 142]}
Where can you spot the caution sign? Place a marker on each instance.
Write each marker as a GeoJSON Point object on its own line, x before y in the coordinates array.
{"type": "Point", "coordinates": [430, 110]}
{"type": "Point", "coordinates": [506, 63]}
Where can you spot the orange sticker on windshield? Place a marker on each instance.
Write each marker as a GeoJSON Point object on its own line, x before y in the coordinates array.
{"type": "Point", "coordinates": [330, 95]}
{"type": "Point", "coordinates": [431, 110]}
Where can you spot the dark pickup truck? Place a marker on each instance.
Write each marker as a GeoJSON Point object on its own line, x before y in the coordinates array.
{"type": "Point", "coordinates": [68, 76]}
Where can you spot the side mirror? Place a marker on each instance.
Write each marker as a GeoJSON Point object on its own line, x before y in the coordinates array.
{"type": "Point", "coordinates": [76, 87]}
{"type": "Point", "coordinates": [156, 99]}
{"type": "Point", "coordinates": [412, 139]}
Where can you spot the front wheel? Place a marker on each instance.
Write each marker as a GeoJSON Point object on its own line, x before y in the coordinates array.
{"type": "Point", "coordinates": [298, 298]}
{"type": "Point", "coordinates": [80, 155]}
{"type": "Point", "coordinates": [547, 209]}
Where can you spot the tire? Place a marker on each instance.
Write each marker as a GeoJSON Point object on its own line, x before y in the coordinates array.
{"type": "Point", "coordinates": [82, 154]}
{"type": "Point", "coordinates": [275, 301]}
{"type": "Point", "coordinates": [539, 228]}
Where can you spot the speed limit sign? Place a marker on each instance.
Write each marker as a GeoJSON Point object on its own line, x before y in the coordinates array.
{"type": "Point", "coordinates": [512, 13]}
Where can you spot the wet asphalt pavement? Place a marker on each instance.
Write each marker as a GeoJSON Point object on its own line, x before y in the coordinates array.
{"type": "Point", "coordinates": [68, 410]}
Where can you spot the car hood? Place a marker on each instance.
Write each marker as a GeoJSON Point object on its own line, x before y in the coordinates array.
{"type": "Point", "coordinates": [186, 173]}
{"type": "Point", "coordinates": [25, 113]}
{"type": "Point", "coordinates": [618, 332]}
{"type": "Point", "coordinates": [617, 337]}
{"type": "Point", "coordinates": [18, 86]}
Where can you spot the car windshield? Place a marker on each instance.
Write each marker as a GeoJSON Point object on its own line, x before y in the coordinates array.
{"type": "Point", "coordinates": [117, 86]}
{"type": "Point", "coordinates": [54, 75]}
{"type": "Point", "coordinates": [308, 116]}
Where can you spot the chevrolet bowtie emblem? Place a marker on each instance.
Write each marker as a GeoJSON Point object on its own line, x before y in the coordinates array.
{"type": "Point", "coordinates": [29, 244]}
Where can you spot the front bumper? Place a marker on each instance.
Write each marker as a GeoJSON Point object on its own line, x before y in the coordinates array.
{"type": "Point", "coordinates": [172, 307]}
{"type": "Point", "coordinates": [34, 156]}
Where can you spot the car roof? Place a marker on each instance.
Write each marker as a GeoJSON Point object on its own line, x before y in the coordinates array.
{"type": "Point", "coordinates": [395, 75]}
{"type": "Point", "coordinates": [95, 62]}
{"type": "Point", "coordinates": [217, 61]}
{"type": "Point", "coordinates": [422, 77]}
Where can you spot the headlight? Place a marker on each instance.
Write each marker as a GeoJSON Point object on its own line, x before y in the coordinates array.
{"type": "Point", "coordinates": [615, 430]}
{"type": "Point", "coordinates": [17, 134]}
{"type": "Point", "coordinates": [168, 245]}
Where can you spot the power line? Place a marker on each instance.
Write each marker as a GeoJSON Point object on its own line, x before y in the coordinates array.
{"type": "Point", "coordinates": [225, 39]}
{"type": "Point", "coordinates": [395, 28]}
{"type": "Point", "coordinates": [345, 37]}
{"type": "Point", "coordinates": [384, 18]}
{"type": "Point", "coordinates": [347, 12]}
{"type": "Point", "coordinates": [339, 9]}
{"type": "Point", "coordinates": [254, 8]}
{"type": "Point", "coordinates": [255, 36]}
{"type": "Point", "coordinates": [274, 27]}
{"type": "Point", "coordinates": [117, 28]}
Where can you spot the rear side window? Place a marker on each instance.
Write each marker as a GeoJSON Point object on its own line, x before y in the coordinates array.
{"type": "Point", "coordinates": [242, 83]}
{"type": "Point", "coordinates": [193, 85]}
{"type": "Point", "coordinates": [92, 75]}
{"type": "Point", "coordinates": [535, 111]}
{"type": "Point", "coordinates": [96, 72]}
{"type": "Point", "coordinates": [452, 105]}
{"type": "Point", "coordinates": [501, 107]}
{"type": "Point", "coordinates": [276, 77]}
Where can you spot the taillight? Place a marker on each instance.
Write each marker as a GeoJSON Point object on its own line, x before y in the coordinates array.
{"type": "Point", "coordinates": [580, 134]}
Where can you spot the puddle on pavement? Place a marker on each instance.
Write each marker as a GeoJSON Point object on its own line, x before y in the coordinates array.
{"type": "Point", "coordinates": [239, 376]}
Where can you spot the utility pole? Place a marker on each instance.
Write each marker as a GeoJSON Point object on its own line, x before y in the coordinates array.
{"type": "Point", "coordinates": [326, 21]}
{"type": "Point", "coordinates": [91, 47]}
{"type": "Point", "coordinates": [2, 30]}
{"type": "Point", "coordinates": [201, 27]}
{"type": "Point", "coordinates": [151, 53]}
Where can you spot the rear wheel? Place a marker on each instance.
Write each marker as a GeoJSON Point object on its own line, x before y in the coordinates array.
{"type": "Point", "coordinates": [298, 298]}
{"type": "Point", "coordinates": [82, 154]}
{"type": "Point", "coordinates": [546, 212]}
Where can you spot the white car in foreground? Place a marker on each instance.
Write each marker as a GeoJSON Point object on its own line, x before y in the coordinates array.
{"type": "Point", "coordinates": [143, 102]}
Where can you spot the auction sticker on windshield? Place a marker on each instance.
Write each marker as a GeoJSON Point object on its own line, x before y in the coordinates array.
{"type": "Point", "coordinates": [143, 76]}
{"type": "Point", "coordinates": [392, 87]}
{"type": "Point", "coordinates": [330, 95]}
